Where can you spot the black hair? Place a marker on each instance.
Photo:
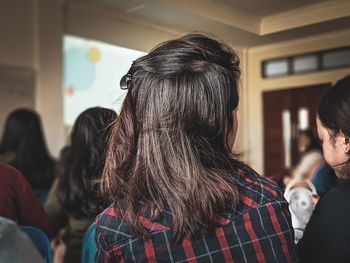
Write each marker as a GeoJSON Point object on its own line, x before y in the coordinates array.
{"type": "Point", "coordinates": [23, 136]}
{"type": "Point", "coordinates": [334, 109]}
{"type": "Point", "coordinates": [334, 114]}
{"type": "Point", "coordinates": [79, 189]}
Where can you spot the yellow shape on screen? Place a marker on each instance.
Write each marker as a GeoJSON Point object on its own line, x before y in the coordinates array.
{"type": "Point", "coordinates": [94, 54]}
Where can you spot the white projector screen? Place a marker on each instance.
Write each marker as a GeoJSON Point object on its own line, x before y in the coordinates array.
{"type": "Point", "coordinates": [92, 71]}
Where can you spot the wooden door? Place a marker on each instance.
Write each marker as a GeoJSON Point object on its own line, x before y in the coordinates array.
{"type": "Point", "coordinates": [290, 103]}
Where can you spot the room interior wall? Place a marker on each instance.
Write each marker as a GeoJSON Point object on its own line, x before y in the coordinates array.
{"type": "Point", "coordinates": [17, 74]}
{"type": "Point", "coordinates": [48, 58]}
{"type": "Point", "coordinates": [241, 138]}
{"type": "Point", "coordinates": [31, 45]}
{"type": "Point", "coordinates": [16, 30]}
{"type": "Point", "coordinates": [256, 85]}
{"type": "Point", "coordinates": [34, 41]}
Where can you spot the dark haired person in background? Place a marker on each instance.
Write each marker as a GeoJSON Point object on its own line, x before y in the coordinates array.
{"type": "Point", "coordinates": [78, 190]}
{"type": "Point", "coordinates": [310, 152]}
{"type": "Point", "coordinates": [179, 193]}
{"type": "Point", "coordinates": [327, 235]}
{"type": "Point", "coordinates": [23, 146]}
{"type": "Point", "coordinates": [310, 156]}
{"type": "Point", "coordinates": [307, 141]}
{"type": "Point", "coordinates": [300, 191]}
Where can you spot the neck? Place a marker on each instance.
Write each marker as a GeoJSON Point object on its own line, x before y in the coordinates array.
{"type": "Point", "coordinates": [341, 173]}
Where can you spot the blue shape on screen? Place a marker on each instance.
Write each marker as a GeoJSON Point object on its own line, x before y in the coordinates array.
{"type": "Point", "coordinates": [79, 72]}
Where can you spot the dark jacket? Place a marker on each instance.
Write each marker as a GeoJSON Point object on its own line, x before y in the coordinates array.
{"type": "Point", "coordinates": [327, 235]}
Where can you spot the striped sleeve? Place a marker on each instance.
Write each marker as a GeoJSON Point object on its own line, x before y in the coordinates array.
{"type": "Point", "coordinates": [102, 254]}
{"type": "Point", "coordinates": [271, 233]}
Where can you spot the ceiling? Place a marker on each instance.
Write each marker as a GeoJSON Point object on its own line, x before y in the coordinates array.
{"type": "Point", "coordinates": [263, 8]}
{"type": "Point", "coordinates": [245, 23]}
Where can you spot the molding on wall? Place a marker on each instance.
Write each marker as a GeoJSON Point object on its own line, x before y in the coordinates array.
{"type": "Point", "coordinates": [219, 12]}
{"type": "Point", "coordinates": [228, 15]}
{"type": "Point", "coordinates": [304, 16]}
{"type": "Point", "coordinates": [304, 40]}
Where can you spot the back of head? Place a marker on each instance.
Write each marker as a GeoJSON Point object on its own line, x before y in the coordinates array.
{"type": "Point", "coordinates": [169, 149]}
{"type": "Point", "coordinates": [24, 137]}
{"type": "Point", "coordinates": [334, 113]}
{"type": "Point", "coordinates": [79, 189]}
{"type": "Point", "coordinates": [334, 109]}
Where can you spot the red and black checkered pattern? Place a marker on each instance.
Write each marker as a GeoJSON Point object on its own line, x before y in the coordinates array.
{"type": "Point", "coordinates": [259, 230]}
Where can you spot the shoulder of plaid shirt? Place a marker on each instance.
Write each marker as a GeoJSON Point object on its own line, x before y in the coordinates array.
{"type": "Point", "coordinates": [259, 230]}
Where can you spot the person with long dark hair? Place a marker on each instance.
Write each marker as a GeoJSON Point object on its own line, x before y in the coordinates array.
{"type": "Point", "coordinates": [178, 192]}
{"type": "Point", "coordinates": [78, 194]}
{"type": "Point", "coordinates": [23, 146]}
{"type": "Point", "coordinates": [327, 235]}
{"type": "Point", "coordinates": [79, 190]}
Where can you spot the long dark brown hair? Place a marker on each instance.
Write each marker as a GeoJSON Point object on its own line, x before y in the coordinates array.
{"type": "Point", "coordinates": [78, 191]}
{"type": "Point", "coordinates": [23, 135]}
{"type": "Point", "coordinates": [168, 150]}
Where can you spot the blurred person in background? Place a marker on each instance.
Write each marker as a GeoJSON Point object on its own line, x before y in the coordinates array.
{"type": "Point", "coordinates": [312, 166]}
{"type": "Point", "coordinates": [76, 198]}
{"type": "Point", "coordinates": [300, 192]}
{"type": "Point", "coordinates": [52, 206]}
{"type": "Point", "coordinates": [310, 154]}
{"type": "Point", "coordinates": [327, 235]}
{"type": "Point", "coordinates": [18, 202]}
{"type": "Point", "coordinates": [310, 180]}
{"type": "Point", "coordinates": [15, 246]}
{"type": "Point", "coordinates": [23, 146]}
{"type": "Point", "coordinates": [310, 157]}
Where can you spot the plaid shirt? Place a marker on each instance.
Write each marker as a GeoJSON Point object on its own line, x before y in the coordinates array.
{"type": "Point", "coordinates": [259, 230]}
